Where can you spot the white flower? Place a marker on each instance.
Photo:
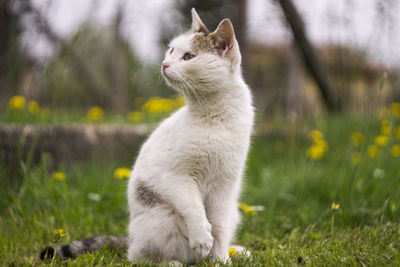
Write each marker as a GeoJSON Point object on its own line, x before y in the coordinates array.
{"type": "Point", "coordinates": [379, 174]}
{"type": "Point", "coordinates": [94, 197]}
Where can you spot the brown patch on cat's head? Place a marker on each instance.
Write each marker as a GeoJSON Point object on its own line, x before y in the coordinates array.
{"type": "Point", "coordinates": [203, 43]}
{"type": "Point", "coordinates": [222, 39]}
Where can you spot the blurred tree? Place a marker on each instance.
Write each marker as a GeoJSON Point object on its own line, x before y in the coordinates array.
{"type": "Point", "coordinates": [310, 56]}
{"type": "Point", "coordinates": [13, 61]}
{"type": "Point", "coordinates": [95, 86]}
{"type": "Point", "coordinates": [118, 66]}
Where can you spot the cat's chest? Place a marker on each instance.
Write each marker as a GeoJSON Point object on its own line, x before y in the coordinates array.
{"type": "Point", "coordinates": [211, 151]}
{"type": "Point", "coordinates": [204, 150]}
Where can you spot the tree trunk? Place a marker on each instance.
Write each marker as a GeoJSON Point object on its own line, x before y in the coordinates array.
{"type": "Point", "coordinates": [118, 67]}
{"type": "Point", "coordinates": [310, 56]}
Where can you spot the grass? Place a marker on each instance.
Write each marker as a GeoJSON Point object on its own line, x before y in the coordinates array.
{"type": "Point", "coordinates": [297, 225]}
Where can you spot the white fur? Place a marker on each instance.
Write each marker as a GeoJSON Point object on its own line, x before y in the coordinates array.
{"type": "Point", "coordinates": [194, 161]}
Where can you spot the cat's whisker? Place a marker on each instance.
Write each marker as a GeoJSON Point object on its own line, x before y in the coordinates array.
{"type": "Point", "coordinates": [197, 93]}
{"type": "Point", "coordinates": [160, 79]}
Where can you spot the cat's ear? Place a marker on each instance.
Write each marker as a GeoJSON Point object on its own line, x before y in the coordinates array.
{"type": "Point", "coordinates": [224, 37]}
{"type": "Point", "coordinates": [197, 24]}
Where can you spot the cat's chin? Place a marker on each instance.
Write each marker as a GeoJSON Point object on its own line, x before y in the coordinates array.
{"type": "Point", "coordinates": [174, 84]}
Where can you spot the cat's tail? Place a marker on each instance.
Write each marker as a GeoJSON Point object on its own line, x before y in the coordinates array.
{"type": "Point", "coordinates": [83, 246]}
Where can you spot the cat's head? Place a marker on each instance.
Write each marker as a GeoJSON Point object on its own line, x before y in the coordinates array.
{"type": "Point", "coordinates": [202, 60]}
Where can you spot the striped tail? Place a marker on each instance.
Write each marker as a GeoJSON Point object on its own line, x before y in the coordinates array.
{"type": "Point", "coordinates": [83, 246]}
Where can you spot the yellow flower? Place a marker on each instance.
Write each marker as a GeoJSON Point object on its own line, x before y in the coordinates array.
{"type": "Point", "coordinates": [33, 107]}
{"type": "Point", "coordinates": [232, 252]}
{"type": "Point", "coordinates": [60, 233]}
{"type": "Point", "coordinates": [335, 206]}
{"type": "Point", "coordinates": [381, 140]}
{"type": "Point", "coordinates": [395, 150]}
{"type": "Point", "coordinates": [397, 132]}
{"type": "Point", "coordinates": [372, 151]}
{"type": "Point", "coordinates": [158, 105]}
{"type": "Point", "coordinates": [315, 152]}
{"type": "Point", "coordinates": [385, 127]}
{"type": "Point", "coordinates": [17, 102]}
{"type": "Point", "coordinates": [59, 176]}
{"type": "Point", "coordinates": [252, 210]}
{"type": "Point", "coordinates": [122, 173]}
{"type": "Point", "coordinates": [95, 113]}
{"type": "Point", "coordinates": [395, 107]}
{"type": "Point", "coordinates": [355, 158]}
{"type": "Point", "coordinates": [135, 116]}
{"type": "Point", "coordinates": [316, 135]}
{"type": "Point", "coordinates": [357, 139]}
{"type": "Point", "coordinates": [322, 143]}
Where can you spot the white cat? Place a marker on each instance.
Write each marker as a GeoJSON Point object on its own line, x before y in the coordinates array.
{"type": "Point", "coordinates": [184, 188]}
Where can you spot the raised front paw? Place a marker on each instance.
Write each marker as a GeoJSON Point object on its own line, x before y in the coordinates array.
{"type": "Point", "coordinates": [201, 240]}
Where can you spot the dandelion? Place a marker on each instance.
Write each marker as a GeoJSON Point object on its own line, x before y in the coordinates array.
{"type": "Point", "coordinates": [372, 151]}
{"type": "Point", "coordinates": [122, 173]}
{"type": "Point", "coordinates": [357, 139]}
{"type": "Point", "coordinates": [232, 252]}
{"type": "Point", "coordinates": [17, 102]}
{"type": "Point", "coordinates": [395, 151]}
{"type": "Point", "coordinates": [135, 116]}
{"type": "Point", "coordinates": [395, 107]}
{"type": "Point", "coordinates": [355, 158]}
{"type": "Point", "coordinates": [397, 132]}
{"type": "Point", "coordinates": [60, 232]}
{"type": "Point", "coordinates": [33, 107]}
{"type": "Point", "coordinates": [60, 176]}
{"type": "Point", "coordinates": [335, 206]}
{"type": "Point", "coordinates": [381, 140]}
{"type": "Point", "coordinates": [315, 152]}
{"type": "Point", "coordinates": [95, 114]}
{"type": "Point", "coordinates": [158, 105]}
{"type": "Point", "coordinates": [321, 143]}
{"type": "Point", "coordinates": [252, 210]}
{"type": "Point", "coordinates": [318, 149]}
{"type": "Point", "coordinates": [316, 135]}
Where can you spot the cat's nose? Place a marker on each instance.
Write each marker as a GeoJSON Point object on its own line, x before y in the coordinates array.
{"type": "Point", "coordinates": [164, 65]}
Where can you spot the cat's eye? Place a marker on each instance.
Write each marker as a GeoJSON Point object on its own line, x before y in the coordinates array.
{"type": "Point", "coordinates": [188, 56]}
{"type": "Point", "coordinates": [172, 50]}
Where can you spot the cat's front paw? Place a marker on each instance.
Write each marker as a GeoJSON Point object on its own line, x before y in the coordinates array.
{"type": "Point", "coordinates": [201, 240]}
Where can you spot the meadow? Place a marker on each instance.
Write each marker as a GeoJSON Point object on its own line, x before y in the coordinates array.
{"type": "Point", "coordinates": [317, 192]}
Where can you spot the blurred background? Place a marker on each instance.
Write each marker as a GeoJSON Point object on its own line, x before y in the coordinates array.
{"type": "Point", "coordinates": [76, 54]}
{"type": "Point", "coordinates": [81, 89]}
{"type": "Point", "coordinates": [97, 64]}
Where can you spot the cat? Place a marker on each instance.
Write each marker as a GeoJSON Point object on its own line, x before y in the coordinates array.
{"type": "Point", "coordinates": [184, 187]}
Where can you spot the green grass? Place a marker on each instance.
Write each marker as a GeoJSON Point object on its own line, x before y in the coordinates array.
{"type": "Point", "coordinates": [296, 226]}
